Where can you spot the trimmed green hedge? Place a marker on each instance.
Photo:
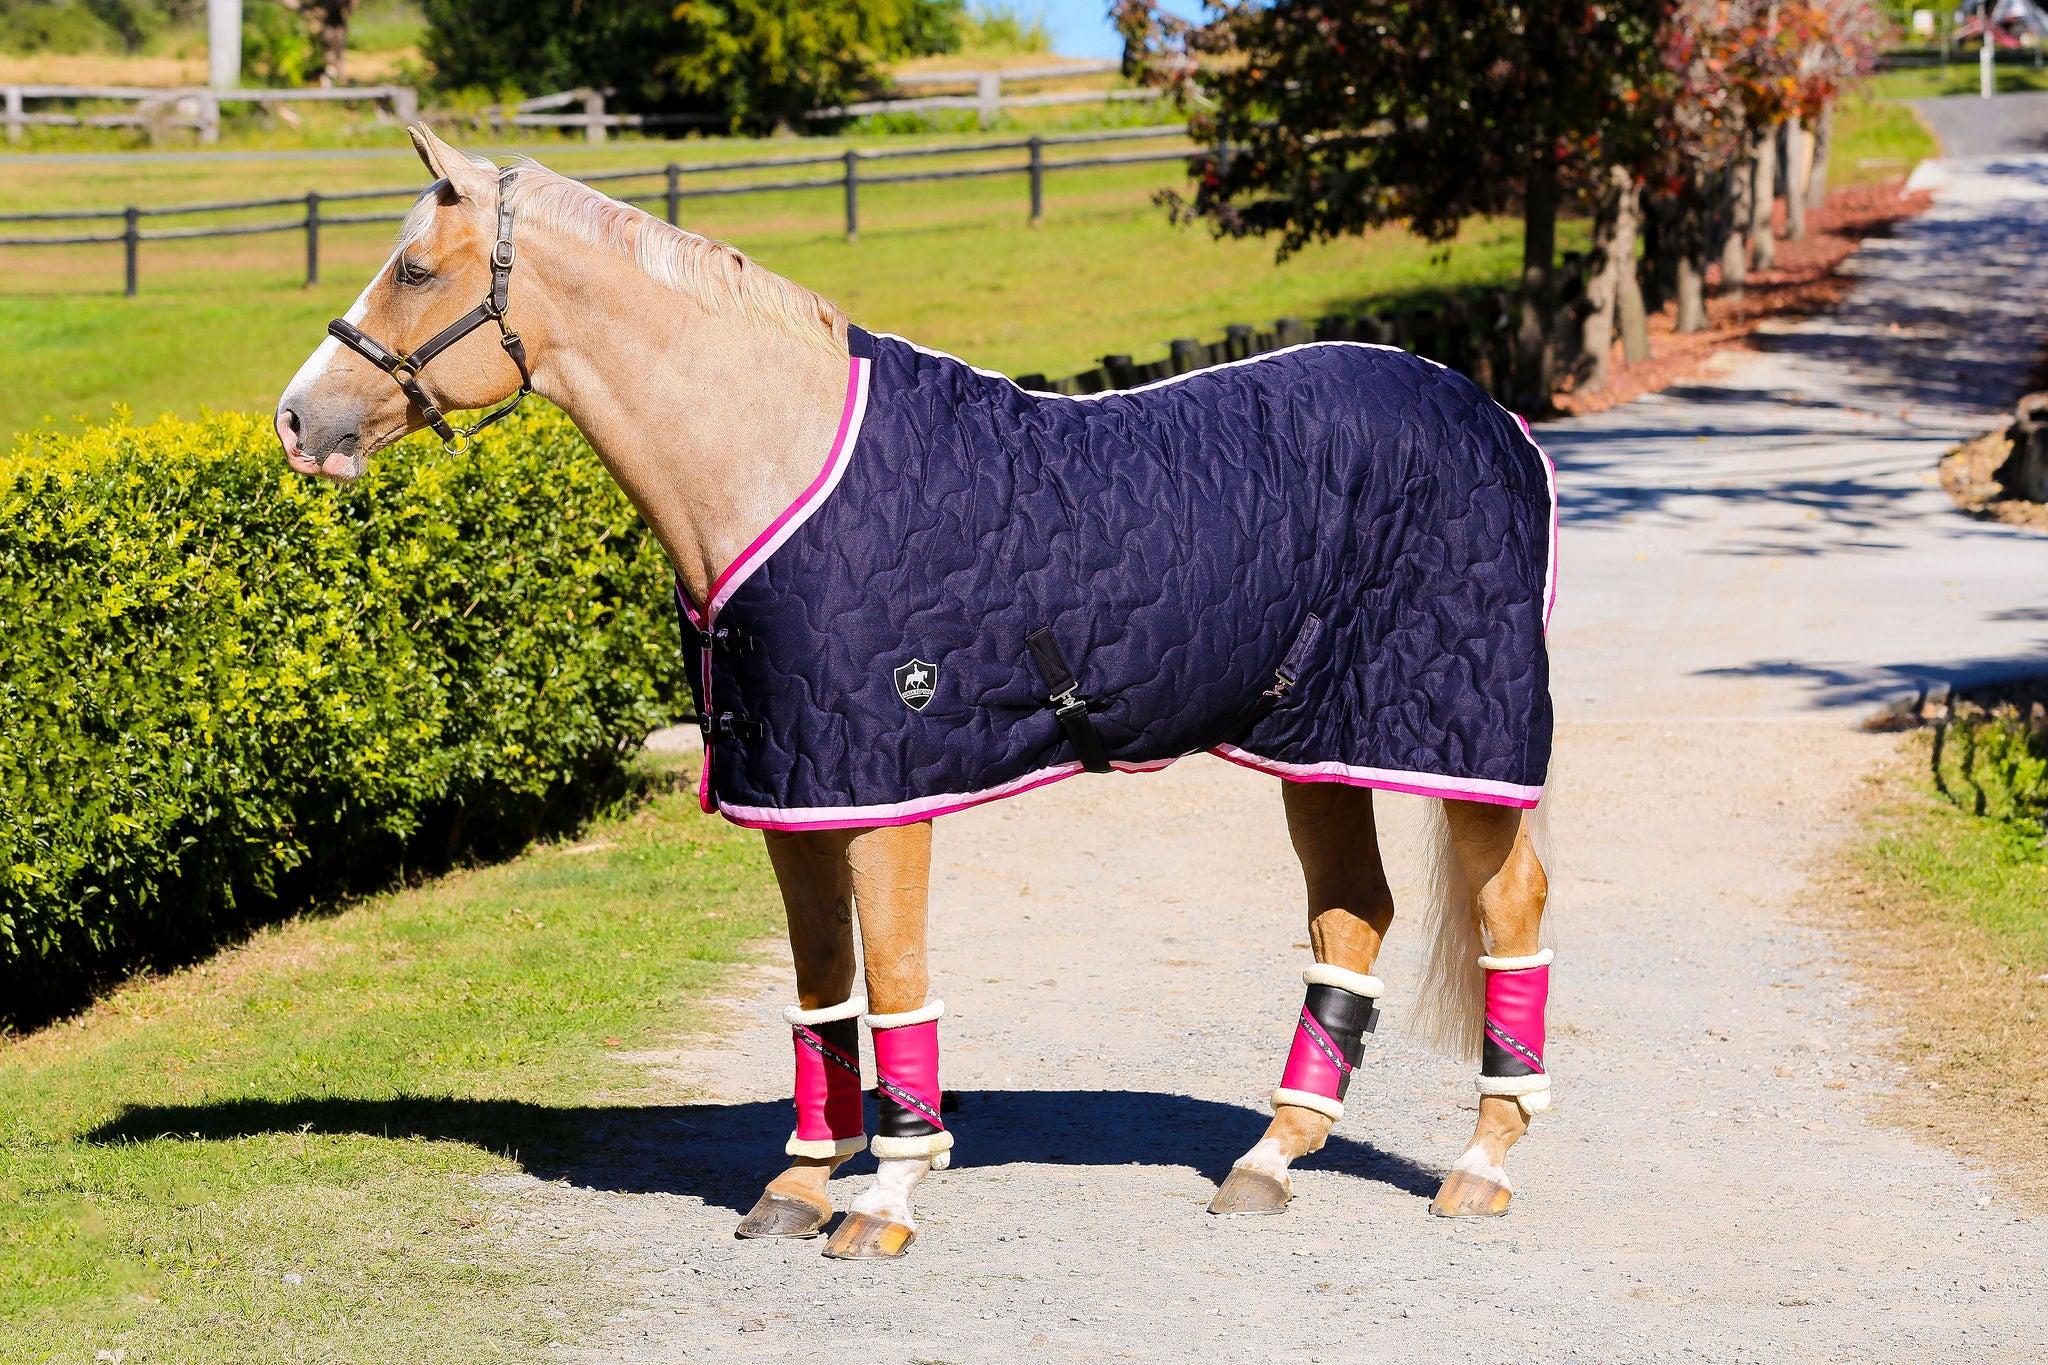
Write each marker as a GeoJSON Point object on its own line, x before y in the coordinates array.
{"type": "Point", "coordinates": [227, 689]}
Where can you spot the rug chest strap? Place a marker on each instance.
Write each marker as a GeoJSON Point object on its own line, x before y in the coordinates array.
{"type": "Point", "coordinates": [1070, 708]}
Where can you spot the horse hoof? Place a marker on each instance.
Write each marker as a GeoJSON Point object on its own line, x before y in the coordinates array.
{"type": "Point", "coordinates": [870, 1237]}
{"type": "Point", "coordinates": [1248, 1191]}
{"type": "Point", "coordinates": [1465, 1195]}
{"type": "Point", "coordinates": [778, 1215]}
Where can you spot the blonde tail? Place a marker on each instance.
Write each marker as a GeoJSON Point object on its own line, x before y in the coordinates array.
{"type": "Point", "coordinates": [1451, 1011]}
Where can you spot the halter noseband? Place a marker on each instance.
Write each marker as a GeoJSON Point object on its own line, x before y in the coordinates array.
{"type": "Point", "coordinates": [405, 369]}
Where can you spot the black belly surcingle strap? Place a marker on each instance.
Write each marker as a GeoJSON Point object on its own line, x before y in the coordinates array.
{"type": "Point", "coordinates": [1070, 708]}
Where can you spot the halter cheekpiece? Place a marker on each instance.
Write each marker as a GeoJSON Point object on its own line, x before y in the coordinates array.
{"type": "Point", "coordinates": [405, 369]}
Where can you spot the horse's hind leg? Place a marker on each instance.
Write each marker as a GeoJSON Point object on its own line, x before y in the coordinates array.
{"type": "Point", "coordinates": [1349, 909]}
{"type": "Point", "coordinates": [1493, 848]}
{"type": "Point", "coordinates": [817, 893]}
{"type": "Point", "coordinates": [891, 871]}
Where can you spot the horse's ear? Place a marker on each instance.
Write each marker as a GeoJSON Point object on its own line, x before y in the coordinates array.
{"type": "Point", "coordinates": [459, 177]}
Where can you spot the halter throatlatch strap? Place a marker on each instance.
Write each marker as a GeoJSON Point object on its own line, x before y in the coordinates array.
{"type": "Point", "coordinates": [1340, 1009]}
{"type": "Point", "coordinates": [405, 369]}
{"type": "Point", "coordinates": [907, 1094]}
{"type": "Point", "coordinates": [1517, 991]}
{"type": "Point", "coordinates": [829, 1122]}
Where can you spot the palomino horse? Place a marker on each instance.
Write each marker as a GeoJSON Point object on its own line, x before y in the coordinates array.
{"type": "Point", "coordinates": [910, 586]}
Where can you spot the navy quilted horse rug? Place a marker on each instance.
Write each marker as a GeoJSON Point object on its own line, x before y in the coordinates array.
{"type": "Point", "coordinates": [1333, 563]}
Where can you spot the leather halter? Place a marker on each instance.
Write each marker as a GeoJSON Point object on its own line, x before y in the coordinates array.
{"type": "Point", "coordinates": [405, 369]}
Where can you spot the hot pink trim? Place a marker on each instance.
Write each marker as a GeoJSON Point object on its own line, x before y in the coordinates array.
{"type": "Point", "coordinates": [798, 512]}
{"type": "Point", "coordinates": [1413, 784]}
{"type": "Point", "coordinates": [771, 540]}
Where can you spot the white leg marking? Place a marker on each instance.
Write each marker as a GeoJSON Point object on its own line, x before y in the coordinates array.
{"type": "Point", "coordinates": [1477, 1161]}
{"type": "Point", "coordinates": [1268, 1158]}
{"type": "Point", "coordinates": [889, 1196]}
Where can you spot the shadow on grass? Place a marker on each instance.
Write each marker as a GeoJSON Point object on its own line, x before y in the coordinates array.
{"type": "Point", "coordinates": [724, 1153]}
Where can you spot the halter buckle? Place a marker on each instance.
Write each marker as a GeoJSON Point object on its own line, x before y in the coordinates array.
{"type": "Point", "coordinates": [503, 254]}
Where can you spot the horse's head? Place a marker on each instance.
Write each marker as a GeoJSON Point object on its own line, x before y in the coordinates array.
{"type": "Point", "coordinates": [402, 356]}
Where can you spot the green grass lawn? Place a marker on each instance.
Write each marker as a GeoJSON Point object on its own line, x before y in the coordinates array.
{"type": "Point", "coordinates": [318, 1104]}
{"type": "Point", "coordinates": [1959, 78]}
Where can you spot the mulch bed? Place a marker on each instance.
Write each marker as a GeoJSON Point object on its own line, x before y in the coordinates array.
{"type": "Point", "coordinates": [1966, 473]}
{"type": "Point", "coordinates": [1806, 280]}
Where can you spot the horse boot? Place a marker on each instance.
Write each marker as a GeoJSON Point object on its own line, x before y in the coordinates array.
{"type": "Point", "coordinates": [1340, 1008]}
{"type": "Point", "coordinates": [829, 1122]}
{"type": "Point", "coordinates": [910, 1136]}
{"type": "Point", "coordinates": [1513, 1086]}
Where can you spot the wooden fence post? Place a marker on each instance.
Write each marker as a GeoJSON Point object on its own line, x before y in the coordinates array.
{"type": "Point", "coordinates": [15, 116]}
{"type": "Point", "coordinates": [405, 104]}
{"type": "Point", "coordinates": [852, 195]}
{"type": "Point", "coordinates": [312, 238]}
{"type": "Point", "coordinates": [1237, 340]}
{"type": "Point", "coordinates": [1037, 180]}
{"type": "Point", "coordinates": [988, 94]}
{"type": "Point", "coordinates": [131, 240]}
{"type": "Point", "coordinates": [1184, 354]}
{"type": "Point", "coordinates": [593, 112]}
{"type": "Point", "coordinates": [674, 187]}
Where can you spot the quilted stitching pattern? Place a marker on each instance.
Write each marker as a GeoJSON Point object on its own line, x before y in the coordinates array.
{"type": "Point", "coordinates": [1175, 539]}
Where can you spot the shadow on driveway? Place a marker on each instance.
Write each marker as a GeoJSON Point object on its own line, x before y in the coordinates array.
{"type": "Point", "coordinates": [724, 1153]}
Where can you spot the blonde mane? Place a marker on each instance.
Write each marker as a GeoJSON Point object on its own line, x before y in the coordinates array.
{"type": "Point", "coordinates": [716, 277]}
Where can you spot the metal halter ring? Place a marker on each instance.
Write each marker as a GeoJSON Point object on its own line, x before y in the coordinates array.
{"type": "Point", "coordinates": [405, 369]}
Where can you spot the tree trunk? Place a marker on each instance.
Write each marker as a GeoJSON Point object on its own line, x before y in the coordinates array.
{"type": "Point", "coordinates": [1628, 303]}
{"type": "Point", "coordinates": [1763, 247]}
{"type": "Point", "coordinates": [1614, 261]}
{"type": "Point", "coordinates": [1735, 245]}
{"type": "Point", "coordinates": [1690, 243]}
{"type": "Point", "coordinates": [1535, 359]}
{"type": "Point", "coordinates": [1796, 151]}
{"type": "Point", "coordinates": [1823, 137]}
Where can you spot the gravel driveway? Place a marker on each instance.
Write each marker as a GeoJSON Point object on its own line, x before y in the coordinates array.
{"type": "Point", "coordinates": [1748, 564]}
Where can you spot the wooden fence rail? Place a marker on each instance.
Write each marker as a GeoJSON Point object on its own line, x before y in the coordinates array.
{"type": "Point", "coordinates": [191, 107]}
{"type": "Point", "coordinates": [672, 190]}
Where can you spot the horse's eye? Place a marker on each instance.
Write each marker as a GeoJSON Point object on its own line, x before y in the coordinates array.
{"type": "Point", "coordinates": [411, 274]}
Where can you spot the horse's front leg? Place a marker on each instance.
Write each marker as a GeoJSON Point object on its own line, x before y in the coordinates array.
{"type": "Point", "coordinates": [1349, 910]}
{"type": "Point", "coordinates": [891, 871]}
{"type": "Point", "coordinates": [817, 894]}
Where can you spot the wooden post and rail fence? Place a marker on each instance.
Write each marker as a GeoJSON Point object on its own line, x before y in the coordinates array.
{"type": "Point", "coordinates": [851, 174]}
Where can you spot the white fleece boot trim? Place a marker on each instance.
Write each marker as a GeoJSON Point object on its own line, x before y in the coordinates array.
{"type": "Point", "coordinates": [1517, 964]}
{"type": "Point", "coordinates": [1532, 1093]}
{"type": "Point", "coordinates": [829, 1014]}
{"type": "Point", "coordinates": [823, 1149]}
{"type": "Point", "coordinates": [1308, 1099]}
{"type": "Point", "coordinates": [904, 1148]}
{"type": "Point", "coordinates": [1358, 983]}
{"type": "Point", "coordinates": [935, 1009]}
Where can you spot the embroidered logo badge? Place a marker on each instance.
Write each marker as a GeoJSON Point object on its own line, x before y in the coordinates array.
{"type": "Point", "coordinates": [915, 682]}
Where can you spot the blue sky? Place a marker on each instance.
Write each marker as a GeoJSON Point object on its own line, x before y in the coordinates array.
{"type": "Point", "coordinates": [1080, 28]}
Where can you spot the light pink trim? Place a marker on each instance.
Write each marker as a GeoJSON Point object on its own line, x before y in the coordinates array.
{"type": "Point", "coordinates": [1414, 784]}
{"type": "Point", "coordinates": [895, 813]}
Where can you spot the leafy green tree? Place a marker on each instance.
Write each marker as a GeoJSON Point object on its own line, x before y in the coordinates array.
{"type": "Point", "coordinates": [760, 64]}
{"type": "Point", "coordinates": [1331, 117]}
